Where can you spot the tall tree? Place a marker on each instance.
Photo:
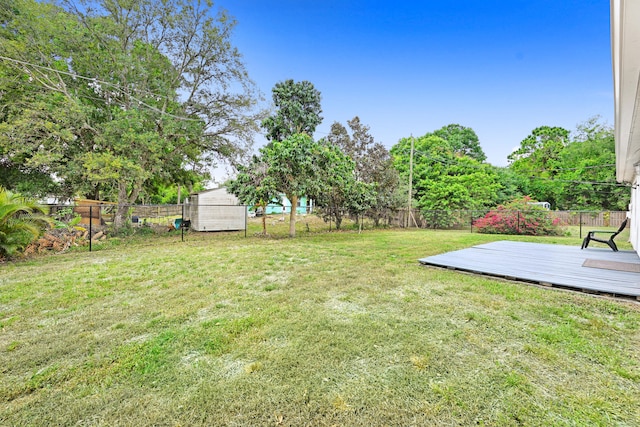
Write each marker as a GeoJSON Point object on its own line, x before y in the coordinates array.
{"type": "Point", "coordinates": [463, 140]}
{"type": "Point", "coordinates": [340, 190]}
{"type": "Point", "coordinates": [570, 170]}
{"type": "Point", "coordinates": [373, 165]}
{"type": "Point", "coordinates": [293, 167]}
{"type": "Point", "coordinates": [538, 159]}
{"type": "Point", "coordinates": [298, 110]}
{"type": "Point", "coordinates": [389, 194]}
{"type": "Point", "coordinates": [538, 152]}
{"type": "Point", "coordinates": [127, 93]}
{"type": "Point", "coordinates": [443, 180]}
{"type": "Point", "coordinates": [356, 144]}
{"type": "Point", "coordinates": [586, 176]}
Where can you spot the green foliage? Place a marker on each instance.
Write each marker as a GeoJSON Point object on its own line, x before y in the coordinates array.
{"type": "Point", "coordinates": [519, 217]}
{"type": "Point", "coordinates": [27, 181]}
{"type": "Point", "coordinates": [65, 218]}
{"type": "Point", "coordinates": [587, 179]}
{"type": "Point", "coordinates": [340, 191]}
{"type": "Point", "coordinates": [292, 165]}
{"type": "Point", "coordinates": [511, 185]}
{"type": "Point", "coordinates": [463, 141]}
{"type": "Point", "coordinates": [576, 172]}
{"type": "Point", "coordinates": [444, 180]}
{"type": "Point", "coordinates": [21, 222]}
{"type": "Point", "coordinates": [537, 160]}
{"type": "Point", "coordinates": [294, 169]}
{"type": "Point", "coordinates": [118, 106]}
{"type": "Point", "coordinates": [538, 151]}
{"type": "Point", "coordinates": [299, 166]}
{"type": "Point", "coordinates": [298, 110]}
{"type": "Point", "coordinates": [254, 187]}
{"type": "Point", "coordinates": [373, 167]}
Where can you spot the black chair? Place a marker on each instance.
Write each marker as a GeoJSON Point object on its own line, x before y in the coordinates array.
{"type": "Point", "coordinates": [591, 236]}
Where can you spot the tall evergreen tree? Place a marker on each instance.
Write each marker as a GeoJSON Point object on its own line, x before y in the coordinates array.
{"type": "Point", "coordinates": [298, 110]}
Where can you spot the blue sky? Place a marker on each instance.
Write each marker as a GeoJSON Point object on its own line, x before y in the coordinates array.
{"type": "Point", "coordinates": [407, 68]}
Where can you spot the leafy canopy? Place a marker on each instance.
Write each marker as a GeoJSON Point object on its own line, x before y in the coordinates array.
{"type": "Point", "coordinates": [117, 98]}
{"type": "Point", "coordinates": [254, 187]}
{"type": "Point", "coordinates": [442, 178]}
{"type": "Point", "coordinates": [570, 171]}
{"type": "Point", "coordinates": [298, 110]}
{"type": "Point", "coordinates": [379, 185]}
{"type": "Point", "coordinates": [463, 141]}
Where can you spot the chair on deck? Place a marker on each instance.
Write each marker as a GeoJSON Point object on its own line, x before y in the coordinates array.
{"type": "Point", "coordinates": [591, 236]}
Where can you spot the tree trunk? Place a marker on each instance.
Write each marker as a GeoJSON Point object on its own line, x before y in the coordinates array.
{"type": "Point", "coordinates": [124, 200]}
{"type": "Point", "coordinates": [292, 216]}
{"type": "Point", "coordinates": [264, 218]}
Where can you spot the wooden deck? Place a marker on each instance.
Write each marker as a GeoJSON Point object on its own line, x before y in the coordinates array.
{"type": "Point", "coordinates": [549, 265]}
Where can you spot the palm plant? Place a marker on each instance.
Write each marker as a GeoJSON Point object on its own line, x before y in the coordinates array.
{"type": "Point", "coordinates": [21, 222]}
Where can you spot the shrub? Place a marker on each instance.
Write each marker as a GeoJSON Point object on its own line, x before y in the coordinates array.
{"type": "Point", "coordinates": [21, 222]}
{"type": "Point", "coordinates": [519, 217]}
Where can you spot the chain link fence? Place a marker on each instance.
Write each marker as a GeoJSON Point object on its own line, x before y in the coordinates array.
{"type": "Point", "coordinates": [466, 219]}
{"type": "Point", "coordinates": [95, 223]}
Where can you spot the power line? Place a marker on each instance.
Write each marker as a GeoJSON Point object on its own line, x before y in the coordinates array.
{"type": "Point", "coordinates": [614, 184]}
{"type": "Point", "coordinates": [448, 162]}
{"type": "Point", "coordinates": [482, 165]}
{"type": "Point", "coordinates": [102, 82]}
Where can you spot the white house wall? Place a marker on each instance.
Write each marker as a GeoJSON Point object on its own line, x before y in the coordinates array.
{"type": "Point", "coordinates": [625, 58]}
{"type": "Point", "coordinates": [634, 208]}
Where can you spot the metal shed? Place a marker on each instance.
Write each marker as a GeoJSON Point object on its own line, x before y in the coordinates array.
{"type": "Point", "coordinates": [215, 210]}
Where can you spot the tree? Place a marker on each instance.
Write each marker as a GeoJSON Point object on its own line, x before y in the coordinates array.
{"type": "Point", "coordinates": [586, 177]}
{"type": "Point", "coordinates": [538, 152]}
{"type": "Point", "coordinates": [294, 169]}
{"type": "Point", "coordinates": [113, 95]}
{"type": "Point", "coordinates": [388, 194]}
{"type": "Point", "coordinates": [442, 179]}
{"type": "Point", "coordinates": [355, 145]}
{"type": "Point", "coordinates": [253, 186]}
{"type": "Point", "coordinates": [298, 110]}
{"type": "Point", "coordinates": [463, 141]}
{"type": "Point", "coordinates": [21, 222]}
{"type": "Point", "coordinates": [373, 166]}
{"type": "Point", "coordinates": [340, 190]}
{"type": "Point", "coordinates": [538, 160]}
{"type": "Point", "coordinates": [511, 185]}
{"type": "Point", "coordinates": [570, 171]}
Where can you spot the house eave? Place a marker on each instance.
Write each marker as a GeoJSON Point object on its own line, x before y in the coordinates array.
{"type": "Point", "coordinates": [625, 45]}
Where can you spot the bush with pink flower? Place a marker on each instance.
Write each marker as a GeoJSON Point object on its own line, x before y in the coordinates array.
{"type": "Point", "coordinates": [519, 217]}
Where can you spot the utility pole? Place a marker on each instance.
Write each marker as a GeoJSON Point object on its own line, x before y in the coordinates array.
{"type": "Point", "coordinates": [410, 184]}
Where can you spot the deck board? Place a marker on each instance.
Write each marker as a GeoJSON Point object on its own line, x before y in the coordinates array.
{"type": "Point", "coordinates": [555, 265]}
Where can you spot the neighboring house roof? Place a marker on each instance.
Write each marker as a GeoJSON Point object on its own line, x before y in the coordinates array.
{"type": "Point", "coordinates": [625, 55]}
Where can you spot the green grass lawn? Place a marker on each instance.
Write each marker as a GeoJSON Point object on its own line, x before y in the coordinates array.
{"type": "Point", "coordinates": [327, 329]}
